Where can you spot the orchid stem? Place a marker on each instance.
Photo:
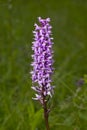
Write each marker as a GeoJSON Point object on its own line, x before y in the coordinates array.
{"type": "Point", "coordinates": [46, 114]}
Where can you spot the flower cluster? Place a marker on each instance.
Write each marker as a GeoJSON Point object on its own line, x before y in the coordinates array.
{"type": "Point", "coordinates": [42, 60]}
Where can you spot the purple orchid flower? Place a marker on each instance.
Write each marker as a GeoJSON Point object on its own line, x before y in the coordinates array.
{"type": "Point", "coordinates": [42, 60]}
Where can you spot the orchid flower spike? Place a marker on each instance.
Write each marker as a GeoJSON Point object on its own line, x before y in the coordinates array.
{"type": "Point", "coordinates": [42, 60]}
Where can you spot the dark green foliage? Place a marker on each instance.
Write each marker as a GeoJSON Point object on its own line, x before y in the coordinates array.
{"type": "Point", "coordinates": [69, 103]}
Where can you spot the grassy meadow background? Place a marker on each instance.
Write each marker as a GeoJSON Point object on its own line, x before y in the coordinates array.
{"type": "Point", "coordinates": [69, 104]}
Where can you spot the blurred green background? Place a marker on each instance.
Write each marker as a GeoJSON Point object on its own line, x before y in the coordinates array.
{"type": "Point", "coordinates": [69, 103]}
